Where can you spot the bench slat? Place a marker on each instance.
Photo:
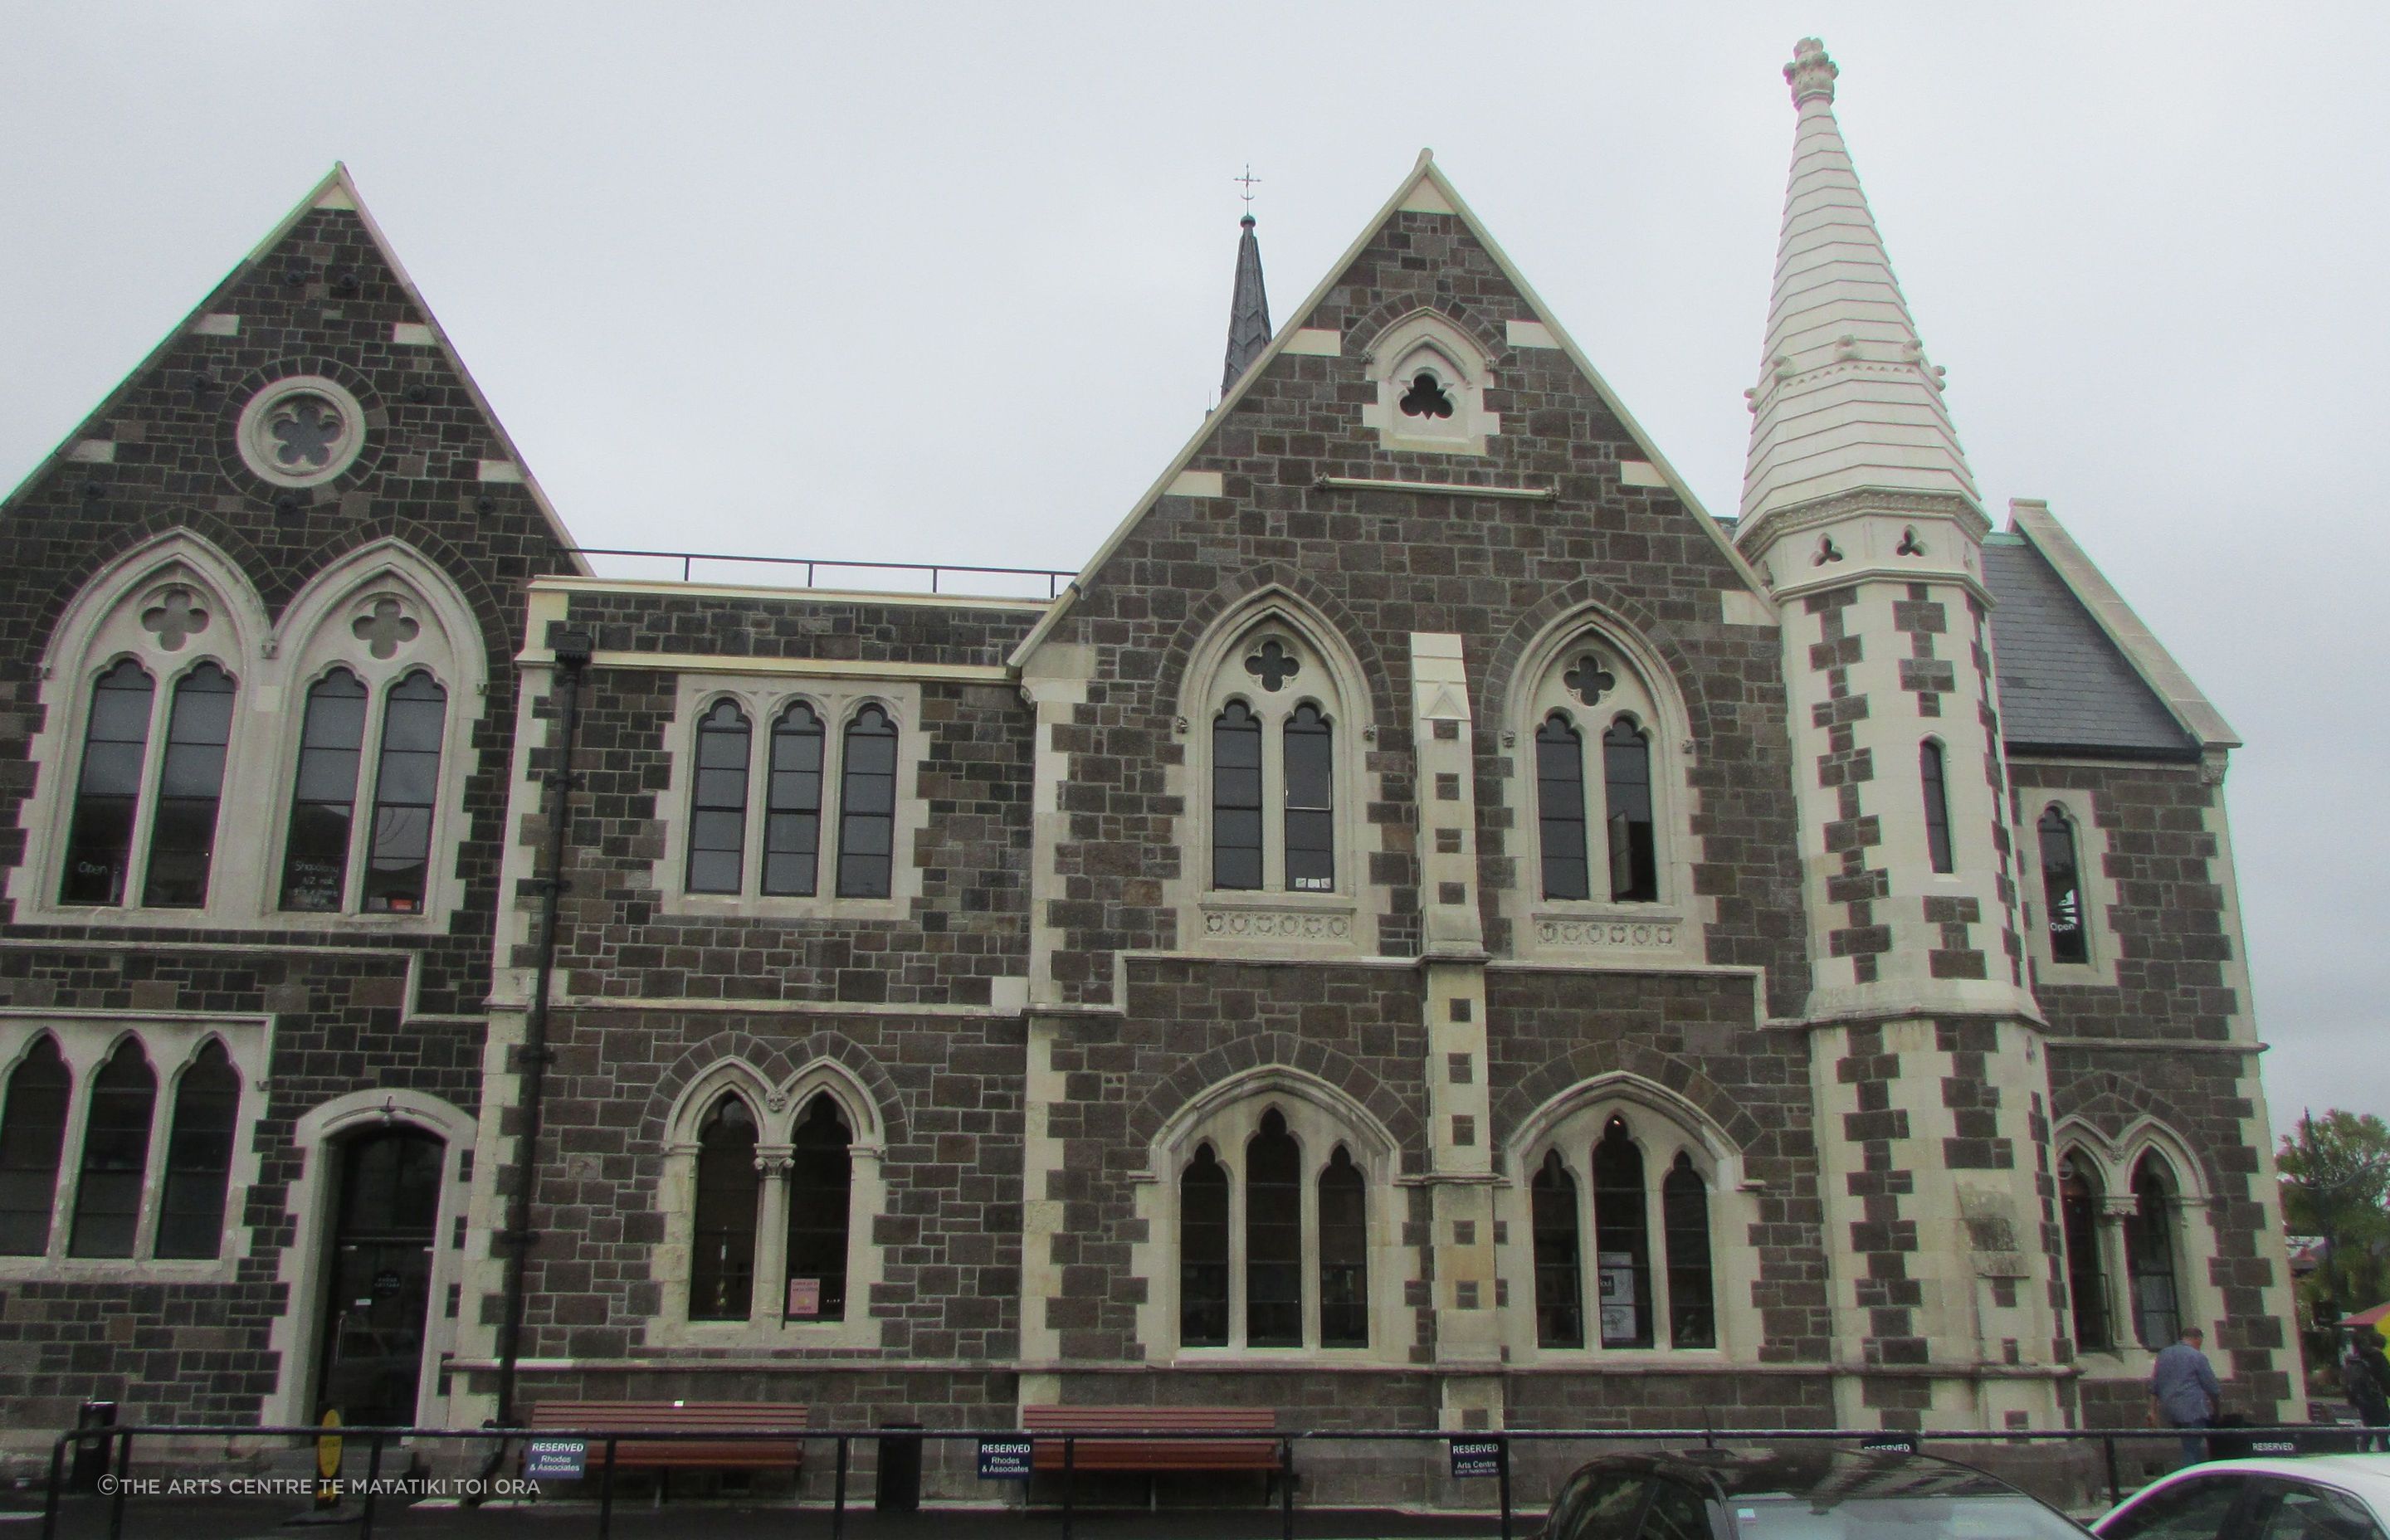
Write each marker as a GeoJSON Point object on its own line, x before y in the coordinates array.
{"type": "Point", "coordinates": [1159, 1455]}
{"type": "Point", "coordinates": [695, 1417]}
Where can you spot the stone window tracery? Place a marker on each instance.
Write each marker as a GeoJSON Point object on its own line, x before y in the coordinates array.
{"type": "Point", "coordinates": [1430, 378]}
{"type": "Point", "coordinates": [1597, 806]}
{"type": "Point", "coordinates": [301, 430]}
{"type": "Point", "coordinates": [1273, 767]}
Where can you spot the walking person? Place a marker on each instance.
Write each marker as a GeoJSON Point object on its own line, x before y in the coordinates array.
{"type": "Point", "coordinates": [2186, 1392]}
{"type": "Point", "coordinates": [2365, 1380]}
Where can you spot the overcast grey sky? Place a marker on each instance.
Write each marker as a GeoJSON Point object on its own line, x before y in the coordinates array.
{"type": "Point", "coordinates": [950, 283]}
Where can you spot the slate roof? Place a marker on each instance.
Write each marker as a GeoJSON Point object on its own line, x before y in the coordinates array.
{"type": "Point", "coordinates": [2063, 685]}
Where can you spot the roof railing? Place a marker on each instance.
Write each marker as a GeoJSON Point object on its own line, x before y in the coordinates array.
{"type": "Point", "coordinates": [1053, 579]}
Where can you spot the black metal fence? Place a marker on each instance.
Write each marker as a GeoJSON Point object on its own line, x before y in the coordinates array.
{"type": "Point", "coordinates": [110, 1450]}
{"type": "Point", "coordinates": [1052, 579]}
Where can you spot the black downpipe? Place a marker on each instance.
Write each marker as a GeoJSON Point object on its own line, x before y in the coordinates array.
{"type": "Point", "coordinates": [572, 656]}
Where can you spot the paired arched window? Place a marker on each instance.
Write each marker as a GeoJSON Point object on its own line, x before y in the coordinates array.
{"type": "Point", "coordinates": [2065, 912]}
{"type": "Point", "coordinates": [179, 716]}
{"type": "Point", "coordinates": [2151, 1245]}
{"type": "Point", "coordinates": [333, 861]}
{"type": "Point", "coordinates": [1649, 1284]}
{"type": "Point", "coordinates": [1274, 712]}
{"type": "Point", "coordinates": [792, 811]}
{"type": "Point", "coordinates": [112, 1138]}
{"type": "Point", "coordinates": [771, 1216]}
{"type": "Point", "coordinates": [1597, 802]}
{"type": "Point", "coordinates": [1933, 788]}
{"type": "Point", "coordinates": [117, 802]}
{"type": "Point", "coordinates": [1273, 1237]}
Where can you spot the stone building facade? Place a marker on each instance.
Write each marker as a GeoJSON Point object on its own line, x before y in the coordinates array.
{"type": "Point", "coordinates": [1428, 928]}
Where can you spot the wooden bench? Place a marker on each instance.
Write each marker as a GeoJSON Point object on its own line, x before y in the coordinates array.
{"type": "Point", "coordinates": [1154, 1455]}
{"type": "Point", "coordinates": [680, 1416]}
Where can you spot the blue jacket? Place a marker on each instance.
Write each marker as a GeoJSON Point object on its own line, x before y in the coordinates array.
{"type": "Point", "coordinates": [2185, 1387]}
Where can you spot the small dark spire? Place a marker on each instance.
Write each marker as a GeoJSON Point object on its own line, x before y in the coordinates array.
{"type": "Point", "coordinates": [1249, 323]}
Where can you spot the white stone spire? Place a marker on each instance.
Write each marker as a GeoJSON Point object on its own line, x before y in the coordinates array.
{"type": "Point", "coordinates": [1846, 399]}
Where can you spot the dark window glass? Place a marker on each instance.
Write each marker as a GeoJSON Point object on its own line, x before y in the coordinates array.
{"type": "Point", "coordinates": [2149, 1256]}
{"type": "Point", "coordinates": [793, 804]}
{"type": "Point", "coordinates": [717, 802]}
{"type": "Point", "coordinates": [2087, 1287]}
{"type": "Point", "coordinates": [1626, 794]}
{"type": "Point", "coordinates": [190, 783]}
{"type": "Point", "coordinates": [1937, 806]}
{"type": "Point", "coordinates": [407, 788]}
{"type": "Point", "coordinates": [820, 1183]}
{"type": "Point", "coordinates": [33, 1135]}
{"type": "Point", "coordinates": [2286, 1509]}
{"type": "Point", "coordinates": [2193, 1510]}
{"type": "Point", "coordinates": [1236, 799]}
{"type": "Point", "coordinates": [99, 847]}
{"type": "Point", "coordinates": [1685, 1221]}
{"type": "Point", "coordinates": [722, 1264]}
{"type": "Point", "coordinates": [1344, 1254]}
{"type": "Point", "coordinates": [1560, 808]}
{"type": "Point", "coordinates": [1273, 1236]}
{"type": "Point", "coordinates": [1560, 1282]}
{"type": "Point", "coordinates": [199, 1157]}
{"type": "Point", "coordinates": [1310, 818]}
{"type": "Point", "coordinates": [1622, 1242]}
{"type": "Point", "coordinates": [115, 1155]}
{"type": "Point", "coordinates": [2061, 891]}
{"type": "Point", "coordinates": [1677, 1513]}
{"type": "Point", "coordinates": [324, 803]}
{"type": "Point", "coordinates": [866, 806]}
{"type": "Point", "coordinates": [1203, 1251]}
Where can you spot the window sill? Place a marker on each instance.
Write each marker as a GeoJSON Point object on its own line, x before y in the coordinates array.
{"type": "Point", "coordinates": [101, 917]}
{"type": "Point", "coordinates": [764, 1336]}
{"type": "Point", "coordinates": [1277, 924]}
{"type": "Point", "coordinates": [779, 906]}
{"type": "Point", "coordinates": [47, 1269]}
{"type": "Point", "coordinates": [1264, 1358]}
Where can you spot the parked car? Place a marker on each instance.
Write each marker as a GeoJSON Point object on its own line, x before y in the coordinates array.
{"type": "Point", "coordinates": [2320, 1497]}
{"type": "Point", "coordinates": [1801, 1491]}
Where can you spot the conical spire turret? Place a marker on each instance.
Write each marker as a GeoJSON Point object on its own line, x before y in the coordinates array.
{"type": "Point", "coordinates": [1846, 399]}
{"type": "Point", "coordinates": [1249, 323]}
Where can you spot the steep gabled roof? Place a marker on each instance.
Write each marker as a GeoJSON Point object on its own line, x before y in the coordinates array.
{"type": "Point", "coordinates": [1424, 190]}
{"type": "Point", "coordinates": [335, 192]}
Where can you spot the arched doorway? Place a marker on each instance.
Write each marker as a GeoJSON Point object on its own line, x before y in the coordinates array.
{"type": "Point", "coordinates": [377, 1273]}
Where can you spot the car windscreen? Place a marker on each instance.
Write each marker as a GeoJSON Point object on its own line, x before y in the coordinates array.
{"type": "Point", "coordinates": [1987, 1516]}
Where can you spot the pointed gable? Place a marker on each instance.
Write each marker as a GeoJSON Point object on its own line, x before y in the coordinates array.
{"type": "Point", "coordinates": [309, 394]}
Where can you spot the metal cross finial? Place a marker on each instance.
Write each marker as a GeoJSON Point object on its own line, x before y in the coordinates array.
{"type": "Point", "coordinates": [1248, 179]}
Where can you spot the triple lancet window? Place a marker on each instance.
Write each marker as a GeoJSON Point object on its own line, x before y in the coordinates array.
{"type": "Point", "coordinates": [77, 1173]}
{"type": "Point", "coordinates": [1273, 1237]}
{"type": "Point", "coordinates": [802, 798]}
{"type": "Point", "coordinates": [1596, 805]}
{"type": "Point", "coordinates": [1645, 1280]}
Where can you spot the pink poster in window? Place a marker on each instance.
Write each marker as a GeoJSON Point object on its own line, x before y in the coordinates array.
{"type": "Point", "coordinates": [804, 1297]}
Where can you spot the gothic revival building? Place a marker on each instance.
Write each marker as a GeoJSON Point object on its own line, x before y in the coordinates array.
{"type": "Point", "coordinates": [1430, 927]}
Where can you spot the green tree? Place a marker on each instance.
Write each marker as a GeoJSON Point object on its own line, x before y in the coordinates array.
{"type": "Point", "coordinates": [2335, 1173]}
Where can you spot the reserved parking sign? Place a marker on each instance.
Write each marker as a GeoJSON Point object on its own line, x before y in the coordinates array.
{"type": "Point", "coordinates": [1004, 1459]}
{"type": "Point", "coordinates": [1476, 1456]}
{"type": "Point", "coordinates": [558, 1459]}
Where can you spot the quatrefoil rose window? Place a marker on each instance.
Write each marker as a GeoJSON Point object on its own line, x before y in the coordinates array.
{"type": "Point", "coordinates": [301, 432]}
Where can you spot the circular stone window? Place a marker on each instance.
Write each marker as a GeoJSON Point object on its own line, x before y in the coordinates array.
{"type": "Point", "coordinates": [301, 432]}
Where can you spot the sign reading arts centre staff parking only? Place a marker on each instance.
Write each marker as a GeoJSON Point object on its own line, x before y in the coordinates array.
{"type": "Point", "coordinates": [557, 1459]}
{"type": "Point", "coordinates": [1004, 1459]}
{"type": "Point", "coordinates": [1476, 1456]}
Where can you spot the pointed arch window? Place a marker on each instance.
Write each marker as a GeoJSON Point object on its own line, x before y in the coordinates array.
{"type": "Point", "coordinates": [1344, 1254]}
{"type": "Point", "coordinates": [1310, 801]}
{"type": "Point", "coordinates": [793, 813]}
{"type": "Point", "coordinates": [1621, 1240]}
{"type": "Point", "coordinates": [1935, 790]}
{"type": "Point", "coordinates": [2150, 1251]}
{"type": "Point", "coordinates": [115, 1154]}
{"type": "Point", "coordinates": [1274, 1253]}
{"type": "Point", "coordinates": [717, 805]}
{"type": "Point", "coordinates": [866, 834]}
{"type": "Point", "coordinates": [2061, 889]}
{"type": "Point", "coordinates": [32, 1139]}
{"type": "Point", "coordinates": [721, 1270]}
{"type": "Point", "coordinates": [323, 803]}
{"type": "Point", "coordinates": [1599, 806]}
{"type": "Point", "coordinates": [100, 843]}
{"type": "Point", "coordinates": [1560, 1283]}
{"type": "Point", "coordinates": [2082, 1200]}
{"type": "Point", "coordinates": [191, 787]}
{"type": "Point", "coordinates": [1685, 1221]}
{"type": "Point", "coordinates": [1203, 1251]}
{"type": "Point", "coordinates": [199, 1157]}
{"type": "Point", "coordinates": [1236, 798]}
{"type": "Point", "coordinates": [821, 1182]}
{"type": "Point", "coordinates": [1277, 788]}
{"type": "Point", "coordinates": [407, 788]}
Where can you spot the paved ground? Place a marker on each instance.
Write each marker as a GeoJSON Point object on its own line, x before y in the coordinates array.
{"type": "Point", "coordinates": [242, 1518]}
